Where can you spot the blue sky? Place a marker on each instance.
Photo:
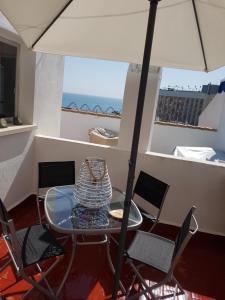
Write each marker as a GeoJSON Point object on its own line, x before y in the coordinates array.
{"type": "Point", "coordinates": [185, 78]}
{"type": "Point", "coordinates": [94, 77]}
{"type": "Point", "coordinates": [107, 79]}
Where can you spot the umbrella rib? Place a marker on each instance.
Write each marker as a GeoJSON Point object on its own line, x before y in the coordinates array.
{"type": "Point", "coordinates": [52, 22]}
{"type": "Point", "coordinates": [200, 34]}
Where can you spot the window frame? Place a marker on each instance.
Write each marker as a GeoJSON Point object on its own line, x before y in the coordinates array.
{"type": "Point", "coordinates": [16, 92]}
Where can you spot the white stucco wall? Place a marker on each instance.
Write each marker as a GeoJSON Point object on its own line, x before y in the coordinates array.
{"type": "Point", "coordinates": [190, 182]}
{"type": "Point", "coordinates": [220, 139]}
{"type": "Point", "coordinates": [166, 138]}
{"type": "Point", "coordinates": [130, 105]}
{"type": "Point", "coordinates": [214, 116]}
{"type": "Point", "coordinates": [213, 113]}
{"type": "Point", "coordinates": [48, 93]}
{"type": "Point", "coordinates": [16, 150]}
{"type": "Point", "coordinates": [16, 168]}
{"type": "Point", "coordinates": [17, 160]}
{"type": "Point", "coordinates": [75, 126]}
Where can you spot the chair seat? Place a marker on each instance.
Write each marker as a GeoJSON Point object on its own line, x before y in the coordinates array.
{"type": "Point", "coordinates": [37, 244]}
{"type": "Point", "coordinates": [152, 250]}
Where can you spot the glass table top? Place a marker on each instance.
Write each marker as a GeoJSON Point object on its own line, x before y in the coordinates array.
{"type": "Point", "coordinates": [65, 214]}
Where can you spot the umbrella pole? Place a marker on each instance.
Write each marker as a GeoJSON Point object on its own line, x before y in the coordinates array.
{"type": "Point", "coordinates": [135, 142]}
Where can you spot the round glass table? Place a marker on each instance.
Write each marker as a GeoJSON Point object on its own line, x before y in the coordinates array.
{"type": "Point", "coordinates": [65, 214]}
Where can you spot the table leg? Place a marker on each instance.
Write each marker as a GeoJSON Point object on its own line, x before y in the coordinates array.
{"type": "Point", "coordinates": [74, 242]}
{"type": "Point", "coordinates": [111, 263]}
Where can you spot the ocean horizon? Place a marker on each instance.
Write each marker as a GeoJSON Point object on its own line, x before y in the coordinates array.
{"type": "Point", "coordinates": [73, 100]}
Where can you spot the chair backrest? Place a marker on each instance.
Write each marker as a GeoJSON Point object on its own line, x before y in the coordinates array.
{"type": "Point", "coordinates": [151, 189]}
{"type": "Point", "coordinates": [56, 173]}
{"type": "Point", "coordinates": [184, 235]}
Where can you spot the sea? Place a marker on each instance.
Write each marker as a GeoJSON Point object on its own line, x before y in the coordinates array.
{"type": "Point", "coordinates": [91, 103]}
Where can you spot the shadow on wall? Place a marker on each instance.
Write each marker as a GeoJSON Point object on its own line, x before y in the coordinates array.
{"type": "Point", "coordinates": [16, 168]}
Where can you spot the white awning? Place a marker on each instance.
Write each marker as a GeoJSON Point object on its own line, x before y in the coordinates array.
{"type": "Point", "coordinates": [115, 30]}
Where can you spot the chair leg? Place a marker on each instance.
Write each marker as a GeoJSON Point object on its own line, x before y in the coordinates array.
{"type": "Point", "coordinates": [153, 225]}
{"type": "Point", "coordinates": [36, 284]}
{"type": "Point", "coordinates": [113, 239]}
{"type": "Point", "coordinates": [179, 286]}
{"type": "Point", "coordinates": [149, 290]}
{"type": "Point", "coordinates": [144, 291]}
{"type": "Point", "coordinates": [65, 238]}
{"type": "Point", "coordinates": [6, 264]}
{"type": "Point", "coordinates": [45, 279]}
{"type": "Point", "coordinates": [135, 269]}
{"type": "Point", "coordinates": [131, 285]}
{"type": "Point", "coordinates": [173, 294]}
{"type": "Point", "coordinates": [39, 211]}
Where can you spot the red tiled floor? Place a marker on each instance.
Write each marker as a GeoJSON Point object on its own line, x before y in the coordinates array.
{"type": "Point", "coordinates": [201, 268]}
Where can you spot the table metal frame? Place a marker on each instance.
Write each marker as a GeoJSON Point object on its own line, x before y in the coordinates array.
{"type": "Point", "coordinates": [106, 232]}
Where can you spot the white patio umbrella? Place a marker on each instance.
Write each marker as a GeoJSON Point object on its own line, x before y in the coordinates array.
{"type": "Point", "coordinates": [188, 34]}
{"type": "Point", "coordinates": [115, 30]}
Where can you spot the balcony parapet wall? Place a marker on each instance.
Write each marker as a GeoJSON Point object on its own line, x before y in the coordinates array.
{"type": "Point", "coordinates": [185, 126]}
{"type": "Point", "coordinates": [191, 182]}
{"type": "Point", "coordinates": [98, 114]}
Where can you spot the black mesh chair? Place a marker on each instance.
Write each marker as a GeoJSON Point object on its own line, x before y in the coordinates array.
{"type": "Point", "coordinates": [30, 246]}
{"type": "Point", "coordinates": [160, 253]}
{"type": "Point", "coordinates": [52, 174]}
{"type": "Point", "coordinates": [153, 191]}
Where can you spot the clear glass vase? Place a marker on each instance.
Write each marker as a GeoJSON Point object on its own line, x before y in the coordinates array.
{"type": "Point", "coordinates": [93, 188]}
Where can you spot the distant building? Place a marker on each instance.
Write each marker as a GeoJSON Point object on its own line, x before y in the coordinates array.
{"type": "Point", "coordinates": [210, 89]}
{"type": "Point", "coordinates": [184, 106]}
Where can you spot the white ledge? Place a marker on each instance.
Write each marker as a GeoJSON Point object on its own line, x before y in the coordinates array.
{"type": "Point", "coordinates": [13, 129]}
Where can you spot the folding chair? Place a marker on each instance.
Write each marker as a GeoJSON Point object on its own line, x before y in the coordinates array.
{"type": "Point", "coordinates": [153, 191]}
{"type": "Point", "coordinates": [29, 246]}
{"type": "Point", "coordinates": [52, 174]}
{"type": "Point", "coordinates": [160, 253]}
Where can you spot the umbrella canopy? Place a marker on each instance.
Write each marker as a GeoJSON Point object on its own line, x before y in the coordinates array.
{"type": "Point", "coordinates": [188, 33]}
